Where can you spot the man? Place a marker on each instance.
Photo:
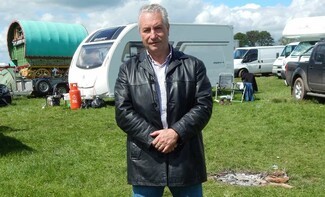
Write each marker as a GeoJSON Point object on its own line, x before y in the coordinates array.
{"type": "Point", "coordinates": [163, 101]}
{"type": "Point", "coordinates": [249, 78]}
{"type": "Point", "coordinates": [250, 85]}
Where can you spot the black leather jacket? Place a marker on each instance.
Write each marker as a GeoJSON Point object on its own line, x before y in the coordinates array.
{"type": "Point", "coordinates": [189, 108]}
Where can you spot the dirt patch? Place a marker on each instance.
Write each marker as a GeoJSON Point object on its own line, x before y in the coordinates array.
{"type": "Point", "coordinates": [276, 178]}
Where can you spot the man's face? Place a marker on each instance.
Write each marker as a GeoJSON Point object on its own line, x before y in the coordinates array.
{"type": "Point", "coordinates": [153, 32]}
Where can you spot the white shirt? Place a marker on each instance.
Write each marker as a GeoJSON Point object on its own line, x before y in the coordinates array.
{"type": "Point", "coordinates": [160, 71]}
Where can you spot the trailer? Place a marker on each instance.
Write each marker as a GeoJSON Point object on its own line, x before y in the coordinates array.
{"type": "Point", "coordinates": [41, 53]}
{"type": "Point", "coordinates": [95, 64]}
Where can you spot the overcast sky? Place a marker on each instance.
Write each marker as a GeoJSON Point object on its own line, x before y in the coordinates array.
{"type": "Point", "coordinates": [243, 15]}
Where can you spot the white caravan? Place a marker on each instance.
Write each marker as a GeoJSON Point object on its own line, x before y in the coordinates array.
{"type": "Point", "coordinates": [256, 60]}
{"type": "Point", "coordinates": [96, 62]}
{"type": "Point", "coordinates": [306, 30]}
{"type": "Point", "coordinates": [277, 64]}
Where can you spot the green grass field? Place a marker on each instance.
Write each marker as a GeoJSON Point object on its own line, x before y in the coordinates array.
{"type": "Point", "coordinates": [56, 151]}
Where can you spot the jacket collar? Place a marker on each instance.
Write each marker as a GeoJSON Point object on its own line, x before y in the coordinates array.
{"type": "Point", "coordinates": [175, 60]}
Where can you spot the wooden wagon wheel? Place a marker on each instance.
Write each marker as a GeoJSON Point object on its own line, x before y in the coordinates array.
{"type": "Point", "coordinates": [42, 72]}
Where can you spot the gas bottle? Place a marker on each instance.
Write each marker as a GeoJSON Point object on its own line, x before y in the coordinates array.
{"type": "Point", "coordinates": [75, 97]}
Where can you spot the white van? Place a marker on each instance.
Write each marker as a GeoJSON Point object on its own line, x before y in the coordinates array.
{"type": "Point", "coordinates": [277, 64]}
{"type": "Point", "coordinates": [298, 54]}
{"type": "Point", "coordinates": [95, 64]}
{"type": "Point", "coordinates": [256, 60]}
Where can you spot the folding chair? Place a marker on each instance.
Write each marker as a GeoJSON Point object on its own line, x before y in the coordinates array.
{"type": "Point", "coordinates": [225, 87]}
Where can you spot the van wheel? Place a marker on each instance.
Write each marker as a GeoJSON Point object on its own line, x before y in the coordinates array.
{"type": "Point", "coordinates": [298, 89]}
{"type": "Point", "coordinates": [241, 72]}
{"type": "Point", "coordinates": [42, 87]}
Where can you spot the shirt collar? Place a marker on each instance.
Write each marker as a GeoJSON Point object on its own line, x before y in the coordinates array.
{"type": "Point", "coordinates": [166, 62]}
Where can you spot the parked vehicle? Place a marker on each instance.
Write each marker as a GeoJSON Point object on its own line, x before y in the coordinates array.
{"type": "Point", "coordinates": [96, 62]}
{"type": "Point", "coordinates": [40, 54]}
{"type": "Point", "coordinates": [256, 60]}
{"type": "Point", "coordinates": [300, 50]}
{"type": "Point", "coordinates": [306, 30]}
{"type": "Point", "coordinates": [7, 75]}
{"type": "Point", "coordinates": [308, 78]}
{"type": "Point", "coordinates": [278, 63]}
{"type": "Point", "coordinates": [5, 95]}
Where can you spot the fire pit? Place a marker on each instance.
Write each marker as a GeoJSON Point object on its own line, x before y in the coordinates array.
{"type": "Point", "coordinates": [276, 178]}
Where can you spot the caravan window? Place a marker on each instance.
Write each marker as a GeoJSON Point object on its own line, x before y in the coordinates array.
{"type": "Point", "coordinates": [92, 56]}
{"type": "Point", "coordinates": [131, 49]}
{"type": "Point", "coordinates": [106, 34]}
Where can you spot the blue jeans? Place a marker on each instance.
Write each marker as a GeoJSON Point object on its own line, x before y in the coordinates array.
{"type": "Point", "coordinates": [153, 191]}
{"type": "Point", "coordinates": [249, 91]}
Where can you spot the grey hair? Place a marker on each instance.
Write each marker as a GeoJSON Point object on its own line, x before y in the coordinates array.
{"type": "Point", "coordinates": [152, 8]}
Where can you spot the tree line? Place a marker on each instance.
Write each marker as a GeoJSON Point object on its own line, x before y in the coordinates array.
{"type": "Point", "coordinates": [258, 38]}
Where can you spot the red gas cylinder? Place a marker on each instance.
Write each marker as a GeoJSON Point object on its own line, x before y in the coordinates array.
{"type": "Point", "coordinates": [75, 97]}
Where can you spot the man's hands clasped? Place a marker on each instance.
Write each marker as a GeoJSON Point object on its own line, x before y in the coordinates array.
{"type": "Point", "coordinates": [165, 140]}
